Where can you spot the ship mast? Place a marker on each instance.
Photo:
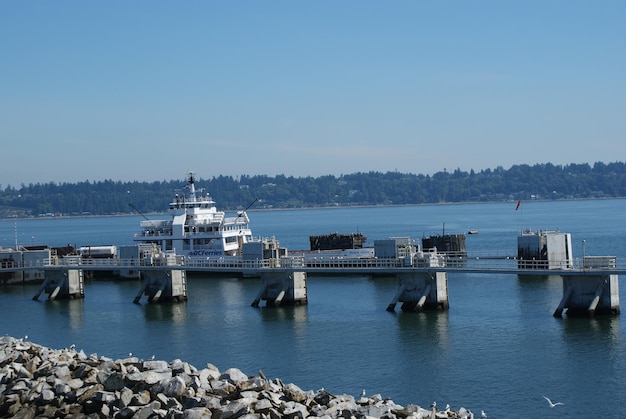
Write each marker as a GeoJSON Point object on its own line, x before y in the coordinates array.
{"type": "Point", "coordinates": [192, 189]}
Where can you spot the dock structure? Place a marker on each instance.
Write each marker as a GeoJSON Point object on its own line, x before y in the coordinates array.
{"type": "Point", "coordinates": [284, 287]}
{"type": "Point", "coordinates": [164, 285]}
{"type": "Point", "coordinates": [419, 291]}
{"type": "Point", "coordinates": [422, 290]}
{"type": "Point", "coordinates": [63, 285]}
{"type": "Point", "coordinates": [589, 288]}
{"type": "Point", "coordinates": [591, 292]}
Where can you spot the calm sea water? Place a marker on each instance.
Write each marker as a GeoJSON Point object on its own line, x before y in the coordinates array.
{"type": "Point", "coordinates": [497, 348]}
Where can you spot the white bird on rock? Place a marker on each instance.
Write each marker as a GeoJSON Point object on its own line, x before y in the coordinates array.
{"type": "Point", "coordinates": [553, 404]}
{"type": "Point", "coordinates": [483, 414]}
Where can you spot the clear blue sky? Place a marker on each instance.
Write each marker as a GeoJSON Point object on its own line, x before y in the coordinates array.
{"type": "Point", "coordinates": [148, 90]}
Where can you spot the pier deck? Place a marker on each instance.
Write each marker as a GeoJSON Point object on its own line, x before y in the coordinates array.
{"type": "Point", "coordinates": [358, 266]}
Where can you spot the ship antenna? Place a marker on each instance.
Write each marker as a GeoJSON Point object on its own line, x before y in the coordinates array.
{"type": "Point", "coordinates": [130, 204]}
{"type": "Point", "coordinates": [249, 206]}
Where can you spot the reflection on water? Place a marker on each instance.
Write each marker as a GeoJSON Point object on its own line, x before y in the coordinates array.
{"type": "Point", "coordinates": [424, 328]}
{"type": "Point", "coordinates": [161, 312]}
{"type": "Point", "coordinates": [73, 310]}
{"type": "Point", "coordinates": [296, 315]}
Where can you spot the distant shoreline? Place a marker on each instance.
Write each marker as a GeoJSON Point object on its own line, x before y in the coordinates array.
{"type": "Point", "coordinates": [316, 208]}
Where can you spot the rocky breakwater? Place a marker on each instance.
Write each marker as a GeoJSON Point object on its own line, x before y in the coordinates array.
{"type": "Point", "coordinates": [36, 381]}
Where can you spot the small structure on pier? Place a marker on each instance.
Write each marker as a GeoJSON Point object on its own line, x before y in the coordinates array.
{"type": "Point", "coordinates": [451, 244]}
{"type": "Point", "coordinates": [544, 249]}
{"type": "Point", "coordinates": [33, 259]}
{"type": "Point", "coordinates": [336, 241]}
{"type": "Point", "coordinates": [264, 249]}
{"type": "Point", "coordinates": [282, 288]}
{"type": "Point", "coordinates": [136, 256]}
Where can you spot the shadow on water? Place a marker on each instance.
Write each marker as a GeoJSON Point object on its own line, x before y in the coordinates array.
{"type": "Point", "coordinates": [539, 294]}
{"type": "Point", "coordinates": [431, 325]}
{"type": "Point", "coordinates": [28, 290]}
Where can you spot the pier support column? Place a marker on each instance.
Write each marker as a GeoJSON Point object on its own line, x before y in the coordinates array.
{"type": "Point", "coordinates": [62, 284]}
{"type": "Point", "coordinates": [163, 286]}
{"type": "Point", "coordinates": [282, 288]}
{"type": "Point", "coordinates": [421, 290]}
{"type": "Point", "coordinates": [587, 295]}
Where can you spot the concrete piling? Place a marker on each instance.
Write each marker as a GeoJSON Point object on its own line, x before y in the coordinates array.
{"type": "Point", "coordinates": [421, 290]}
{"type": "Point", "coordinates": [62, 284]}
{"type": "Point", "coordinates": [589, 294]}
{"type": "Point", "coordinates": [282, 288]}
{"type": "Point", "coordinates": [163, 286]}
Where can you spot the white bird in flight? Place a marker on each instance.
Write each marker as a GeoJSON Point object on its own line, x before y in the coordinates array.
{"type": "Point", "coordinates": [551, 403]}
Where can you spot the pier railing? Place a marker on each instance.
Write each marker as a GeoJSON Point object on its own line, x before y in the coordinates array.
{"type": "Point", "coordinates": [471, 263]}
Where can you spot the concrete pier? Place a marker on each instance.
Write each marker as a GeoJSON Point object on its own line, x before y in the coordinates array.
{"type": "Point", "coordinates": [282, 288]}
{"type": "Point", "coordinates": [421, 290]}
{"type": "Point", "coordinates": [589, 294]}
{"type": "Point", "coordinates": [163, 286]}
{"type": "Point", "coordinates": [66, 284]}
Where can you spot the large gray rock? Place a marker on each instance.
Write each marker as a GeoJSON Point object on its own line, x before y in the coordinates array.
{"type": "Point", "coordinates": [235, 409]}
{"type": "Point", "coordinates": [149, 377]}
{"type": "Point", "coordinates": [41, 382]}
{"type": "Point", "coordinates": [234, 375]}
{"type": "Point", "coordinates": [197, 413]}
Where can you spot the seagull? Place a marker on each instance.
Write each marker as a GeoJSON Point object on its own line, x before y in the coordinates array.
{"type": "Point", "coordinates": [72, 347]}
{"type": "Point", "coordinates": [551, 403]}
{"type": "Point", "coordinates": [152, 358]}
{"type": "Point", "coordinates": [363, 393]}
{"type": "Point", "coordinates": [483, 414]}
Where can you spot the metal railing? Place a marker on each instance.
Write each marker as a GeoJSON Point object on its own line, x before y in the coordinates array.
{"type": "Point", "coordinates": [473, 262]}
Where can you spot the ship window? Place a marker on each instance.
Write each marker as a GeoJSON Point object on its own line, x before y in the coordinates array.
{"type": "Point", "coordinates": [186, 244]}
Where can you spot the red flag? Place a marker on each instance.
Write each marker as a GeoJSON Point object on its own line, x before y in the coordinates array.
{"type": "Point", "coordinates": [519, 202]}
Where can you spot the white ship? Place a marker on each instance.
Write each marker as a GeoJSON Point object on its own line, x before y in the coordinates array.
{"type": "Point", "coordinates": [196, 228]}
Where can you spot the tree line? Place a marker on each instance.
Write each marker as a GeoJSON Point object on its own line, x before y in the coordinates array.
{"type": "Point", "coordinates": [539, 181]}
